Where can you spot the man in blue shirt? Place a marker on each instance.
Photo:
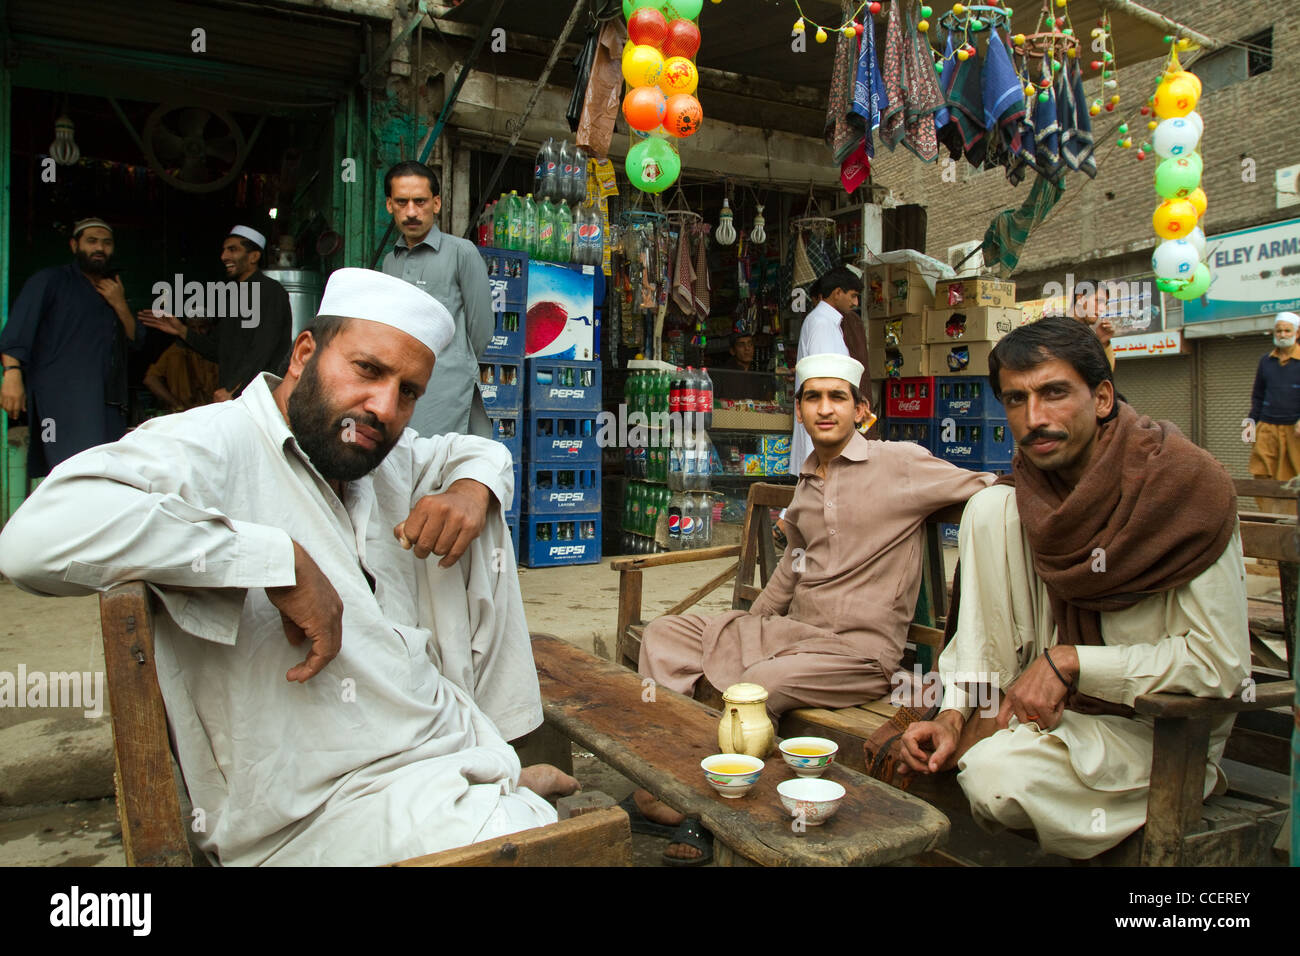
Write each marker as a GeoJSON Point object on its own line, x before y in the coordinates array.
{"type": "Point", "coordinates": [1275, 410]}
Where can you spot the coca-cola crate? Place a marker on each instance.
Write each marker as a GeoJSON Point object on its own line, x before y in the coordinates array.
{"type": "Point", "coordinates": [553, 540]}
{"type": "Point", "coordinates": [508, 277]}
{"type": "Point", "coordinates": [562, 436]}
{"type": "Point", "coordinates": [958, 396]}
{"type": "Point", "coordinates": [909, 397]}
{"type": "Point", "coordinates": [501, 385]}
{"type": "Point", "coordinates": [508, 430]}
{"type": "Point", "coordinates": [973, 440]}
{"type": "Point", "coordinates": [562, 386]}
{"type": "Point", "coordinates": [562, 488]}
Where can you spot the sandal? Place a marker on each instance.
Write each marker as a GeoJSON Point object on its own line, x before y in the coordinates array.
{"type": "Point", "coordinates": [691, 833]}
{"type": "Point", "coordinates": [641, 823]}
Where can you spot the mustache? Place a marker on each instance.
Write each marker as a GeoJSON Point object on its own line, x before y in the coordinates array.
{"type": "Point", "coordinates": [1042, 434]}
{"type": "Point", "coordinates": [370, 421]}
{"type": "Point", "coordinates": [411, 222]}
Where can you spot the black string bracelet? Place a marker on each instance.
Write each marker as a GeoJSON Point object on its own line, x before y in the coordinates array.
{"type": "Point", "coordinates": [1052, 665]}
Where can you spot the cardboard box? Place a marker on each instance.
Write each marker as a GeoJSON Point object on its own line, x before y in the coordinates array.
{"type": "Point", "coordinates": [909, 397]}
{"type": "Point", "coordinates": [895, 331]}
{"type": "Point", "coordinates": [993, 293]}
{"type": "Point", "coordinates": [776, 445]}
{"type": "Point", "coordinates": [907, 361]}
{"type": "Point", "coordinates": [908, 292]}
{"type": "Point", "coordinates": [969, 324]}
{"type": "Point", "coordinates": [969, 358]}
{"type": "Point", "coordinates": [752, 465]}
{"type": "Point", "coordinates": [875, 292]}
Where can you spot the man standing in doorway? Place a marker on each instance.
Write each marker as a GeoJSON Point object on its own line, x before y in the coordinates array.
{"type": "Point", "coordinates": [822, 333]}
{"type": "Point", "coordinates": [1275, 410]}
{"type": "Point", "coordinates": [243, 346]}
{"type": "Point", "coordinates": [64, 351]}
{"type": "Point", "coordinates": [451, 270]}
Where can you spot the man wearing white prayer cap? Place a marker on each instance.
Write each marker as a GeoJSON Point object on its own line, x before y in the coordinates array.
{"type": "Point", "coordinates": [829, 627]}
{"type": "Point", "coordinates": [1274, 420]}
{"type": "Point", "coordinates": [251, 332]}
{"type": "Point", "coordinates": [336, 695]}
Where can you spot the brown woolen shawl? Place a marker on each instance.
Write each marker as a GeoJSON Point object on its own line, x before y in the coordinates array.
{"type": "Point", "coordinates": [1160, 509]}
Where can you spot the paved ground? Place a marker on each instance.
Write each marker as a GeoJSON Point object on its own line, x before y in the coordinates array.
{"type": "Point", "coordinates": [56, 765]}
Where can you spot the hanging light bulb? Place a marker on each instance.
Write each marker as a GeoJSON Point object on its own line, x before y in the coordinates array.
{"type": "Point", "coordinates": [64, 149]}
{"type": "Point", "coordinates": [726, 233]}
{"type": "Point", "coordinates": [758, 234]}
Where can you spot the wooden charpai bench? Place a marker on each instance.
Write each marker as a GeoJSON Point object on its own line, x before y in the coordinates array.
{"type": "Point", "coordinates": [1181, 829]}
{"type": "Point", "coordinates": [149, 803]}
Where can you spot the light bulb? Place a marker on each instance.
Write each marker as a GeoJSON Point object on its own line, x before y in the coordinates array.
{"type": "Point", "coordinates": [758, 233]}
{"type": "Point", "coordinates": [64, 149]}
{"type": "Point", "coordinates": [726, 233]}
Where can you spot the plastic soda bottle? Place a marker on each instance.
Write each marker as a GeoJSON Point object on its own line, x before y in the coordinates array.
{"type": "Point", "coordinates": [515, 217]}
{"type": "Point", "coordinates": [530, 226]}
{"type": "Point", "coordinates": [563, 233]}
{"type": "Point", "coordinates": [546, 231]}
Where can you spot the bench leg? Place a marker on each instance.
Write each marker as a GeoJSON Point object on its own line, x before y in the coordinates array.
{"type": "Point", "coordinates": [726, 856]}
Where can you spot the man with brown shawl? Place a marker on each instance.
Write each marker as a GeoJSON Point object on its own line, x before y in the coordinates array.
{"type": "Point", "coordinates": [1107, 566]}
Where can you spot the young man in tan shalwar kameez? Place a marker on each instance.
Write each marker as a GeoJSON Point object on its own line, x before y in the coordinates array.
{"type": "Point", "coordinates": [828, 629]}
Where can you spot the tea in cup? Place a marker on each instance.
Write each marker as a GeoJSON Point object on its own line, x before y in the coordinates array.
{"type": "Point", "coordinates": [809, 756]}
{"type": "Point", "coordinates": [731, 774]}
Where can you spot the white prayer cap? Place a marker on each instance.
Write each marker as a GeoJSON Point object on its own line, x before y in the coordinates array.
{"type": "Point", "coordinates": [828, 365]}
{"type": "Point", "coordinates": [1289, 318]}
{"type": "Point", "coordinates": [248, 232]}
{"type": "Point", "coordinates": [83, 224]}
{"type": "Point", "coordinates": [376, 297]}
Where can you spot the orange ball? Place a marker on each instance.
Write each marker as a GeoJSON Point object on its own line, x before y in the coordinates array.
{"type": "Point", "coordinates": [679, 76]}
{"type": "Point", "coordinates": [643, 107]}
{"type": "Point", "coordinates": [683, 115]}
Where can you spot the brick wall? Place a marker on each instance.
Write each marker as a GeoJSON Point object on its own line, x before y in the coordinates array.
{"type": "Point", "coordinates": [1111, 216]}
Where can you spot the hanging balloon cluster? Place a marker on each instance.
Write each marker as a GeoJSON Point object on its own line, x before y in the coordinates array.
{"type": "Point", "coordinates": [660, 105]}
{"type": "Point", "coordinates": [1177, 261]}
{"type": "Point", "coordinates": [1106, 65]}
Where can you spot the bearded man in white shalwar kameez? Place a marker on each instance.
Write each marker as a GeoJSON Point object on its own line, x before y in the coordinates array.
{"type": "Point", "coordinates": [306, 510]}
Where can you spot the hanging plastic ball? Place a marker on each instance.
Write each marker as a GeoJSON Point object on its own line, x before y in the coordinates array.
{"type": "Point", "coordinates": [1191, 78]}
{"type": "Point", "coordinates": [652, 165]}
{"type": "Point", "coordinates": [642, 66]}
{"type": "Point", "coordinates": [681, 9]}
{"type": "Point", "coordinates": [1069, 32]}
{"type": "Point", "coordinates": [644, 106]}
{"type": "Point", "coordinates": [847, 31]}
{"type": "Point", "coordinates": [647, 26]}
{"type": "Point", "coordinates": [1029, 89]}
{"type": "Point", "coordinates": [1123, 127]}
{"type": "Point", "coordinates": [1197, 238]}
{"type": "Point", "coordinates": [1056, 66]}
{"type": "Point", "coordinates": [1175, 259]}
{"type": "Point", "coordinates": [858, 28]}
{"type": "Point", "coordinates": [1110, 84]}
{"type": "Point", "coordinates": [938, 67]}
{"type": "Point", "coordinates": [1198, 286]}
{"type": "Point", "coordinates": [798, 26]}
{"type": "Point", "coordinates": [683, 115]}
{"type": "Point", "coordinates": [1176, 137]}
{"type": "Point", "coordinates": [924, 26]}
{"type": "Point", "coordinates": [958, 9]}
{"type": "Point", "coordinates": [926, 12]}
{"type": "Point", "coordinates": [1176, 178]}
{"type": "Point", "coordinates": [1019, 39]}
{"type": "Point", "coordinates": [1110, 107]}
{"type": "Point", "coordinates": [1095, 64]}
{"type": "Point", "coordinates": [1173, 218]}
{"type": "Point", "coordinates": [1167, 38]}
{"type": "Point", "coordinates": [1044, 97]}
{"type": "Point", "coordinates": [821, 35]}
{"type": "Point", "coordinates": [1060, 22]}
{"type": "Point", "coordinates": [679, 76]}
{"type": "Point", "coordinates": [1142, 154]}
{"type": "Point", "coordinates": [1061, 3]}
{"type": "Point", "coordinates": [1176, 97]}
{"type": "Point", "coordinates": [1115, 99]}
{"type": "Point", "coordinates": [874, 8]}
{"type": "Point", "coordinates": [683, 39]}
{"type": "Point", "coordinates": [1184, 43]}
{"type": "Point", "coordinates": [1198, 199]}
{"type": "Point", "coordinates": [963, 55]}
{"type": "Point", "coordinates": [1108, 56]}
{"type": "Point", "coordinates": [1145, 111]}
{"type": "Point", "coordinates": [1152, 124]}
{"type": "Point", "coordinates": [1126, 143]}
{"type": "Point", "coordinates": [1094, 109]}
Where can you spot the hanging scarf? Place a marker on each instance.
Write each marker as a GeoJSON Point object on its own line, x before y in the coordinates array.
{"type": "Point", "coordinates": [1010, 229]}
{"type": "Point", "coordinates": [966, 100]}
{"type": "Point", "coordinates": [1047, 131]}
{"type": "Point", "coordinates": [869, 96]}
{"type": "Point", "coordinates": [841, 135]}
{"type": "Point", "coordinates": [684, 280]}
{"type": "Point", "coordinates": [701, 290]}
{"type": "Point", "coordinates": [1082, 140]}
{"type": "Point", "coordinates": [947, 131]}
{"type": "Point", "coordinates": [921, 87]}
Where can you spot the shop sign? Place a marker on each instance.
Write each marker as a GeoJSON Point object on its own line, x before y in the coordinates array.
{"type": "Point", "coordinates": [1148, 345]}
{"type": "Point", "coordinates": [1254, 272]}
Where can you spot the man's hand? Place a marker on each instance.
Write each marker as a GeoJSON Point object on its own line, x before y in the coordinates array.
{"type": "Point", "coordinates": [13, 394]}
{"type": "Point", "coordinates": [930, 746]}
{"type": "Point", "coordinates": [1105, 330]}
{"type": "Point", "coordinates": [311, 610]}
{"type": "Point", "coordinates": [162, 322]}
{"type": "Point", "coordinates": [112, 291]}
{"type": "Point", "coordinates": [445, 524]}
{"type": "Point", "coordinates": [221, 395]}
{"type": "Point", "coordinates": [1039, 695]}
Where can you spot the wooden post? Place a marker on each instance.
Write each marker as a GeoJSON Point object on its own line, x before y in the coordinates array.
{"type": "Point", "coordinates": [1180, 747]}
{"type": "Point", "coordinates": [629, 609]}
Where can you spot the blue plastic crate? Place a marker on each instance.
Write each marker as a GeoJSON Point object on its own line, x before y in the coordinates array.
{"type": "Point", "coordinates": [508, 429]}
{"type": "Point", "coordinates": [562, 386]}
{"type": "Point", "coordinates": [965, 396]}
{"type": "Point", "coordinates": [561, 436]}
{"type": "Point", "coordinates": [508, 338]}
{"type": "Point", "coordinates": [519, 489]}
{"type": "Point", "coordinates": [948, 533]}
{"type": "Point", "coordinates": [512, 522]}
{"type": "Point", "coordinates": [918, 431]}
{"type": "Point", "coordinates": [973, 440]}
{"type": "Point", "coordinates": [507, 277]}
{"type": "Point", "coordinates": [553, 540]}
{"type": "Point", "coordinates": [501, 383]}
{"type": "Point", "coordinates": [562, 488]}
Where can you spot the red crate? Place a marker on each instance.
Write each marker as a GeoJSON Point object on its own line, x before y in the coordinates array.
{"type": "Point", "coordinates": [909, 397]}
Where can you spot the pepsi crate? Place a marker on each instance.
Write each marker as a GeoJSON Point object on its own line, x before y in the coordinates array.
{"type": "Point", "coordinates": [508, 277]}
{"type": "Point", "coordinates": [501, 385]}
{"type": "Point", "coordinates": [972, 440]}
{"type": "Point", "coordinates": [508, 333]}
{"type": "Point", "coordinates": [909, 429]}
{"type": "Point", "coordinates": [554, 540]}
{"type": "Point", "coordinates": [965, 397]}
{"type": "Point", "coordinates": [563, 488]}
{"type": "Point", "coordinates": [948, 533]}
{"type": "Point", "coordinates": [512, 522]}
{"type": "Point", "coordinates": [562, 386]}
{"type": "Point", "coordinates": [562, 436]}
{"type": "Point", "coordinates": [508, 430]}
{"type": "Point", "coordinates": [518, 499]}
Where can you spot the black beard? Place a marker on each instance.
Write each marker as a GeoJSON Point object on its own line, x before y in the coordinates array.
{"type": "Point", "coordinates": [92, 266]}
{"type": "Point", "coordinates": [320, 433]}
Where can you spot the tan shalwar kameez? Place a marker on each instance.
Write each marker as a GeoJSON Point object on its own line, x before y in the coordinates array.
{"type": "Point", "coordinates": [1083, 784]}
{"type": "Point", "coordinates": [828, 629]}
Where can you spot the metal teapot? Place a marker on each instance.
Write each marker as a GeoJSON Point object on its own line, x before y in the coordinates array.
{"type": "Point", "coordinates": [745, 727]}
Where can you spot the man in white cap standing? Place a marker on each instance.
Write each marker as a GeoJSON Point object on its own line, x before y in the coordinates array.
{"type": "Point", "coordinates": [64, 350]}
{"type": "Point", "coordinates": [1274, 422]}
{"type": "Point", "coordinates": [829, 627]}
{"type": "Point", "coordinates": [255, 336]}
{"type": "Point", "coordinates": [299, 519]}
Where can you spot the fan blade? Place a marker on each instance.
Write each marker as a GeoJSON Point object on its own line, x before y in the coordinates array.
{"type": "Point", "coordinates": [223, 149]}
{"type": "Point", "coordinates": [192, 121]}
{"type": "Point", "coordinates": [168, 147]}
{"type": "Point", "coordinates": [194, 170]}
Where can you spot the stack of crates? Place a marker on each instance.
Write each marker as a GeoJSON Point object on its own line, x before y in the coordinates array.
{"type": "Point", "coordinates": [909, 410]}
{"type": "Point", "coordinates": [500, 371]}
{"type": "Point", "coordinates": [970, 428]}
{"type": "Point", "coordinates": [562, 501]}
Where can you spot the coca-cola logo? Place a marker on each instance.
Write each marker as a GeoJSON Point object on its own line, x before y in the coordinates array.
{"type": "Point", "coordinates": [913, 406]}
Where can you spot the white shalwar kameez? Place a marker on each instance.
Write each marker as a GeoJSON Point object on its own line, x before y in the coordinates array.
{"type": "Point", "coordinates": [1083, 784]}
{"type": "Point", "coordinates": [398, 747]}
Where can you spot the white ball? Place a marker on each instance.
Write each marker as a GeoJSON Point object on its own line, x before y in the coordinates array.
{"type": "Point", "coordinates": [1195, 119]}
{"type": "Point", "coordinates": [1176, 137]}
{"type": "Point", "coordinates": [1197, 239]}
{"type": "Point", "coordinates": [1175, 259]}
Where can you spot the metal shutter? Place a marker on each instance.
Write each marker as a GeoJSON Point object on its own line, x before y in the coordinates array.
{"type": "Point", "coordinates": [1227, 375]}
{"type": "Point", "coordinates": [1159, 387]}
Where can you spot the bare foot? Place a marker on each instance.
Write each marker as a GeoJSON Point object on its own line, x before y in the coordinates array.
{"type": "Point", "coordinates": [660, 812]}
{"type": "Point", "coordinates": [547, 781]}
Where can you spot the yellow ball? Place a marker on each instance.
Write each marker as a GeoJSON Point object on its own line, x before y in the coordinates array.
{"type": "Point", "coordinates": [798, 25]}
{"type": "Point", "coordinates": [1174, 218]}
{"type": "Point", "coordinates": [1094, 110]}
{"type": "Point", "coordinates": [679, 76]}
{"type": "Point", "coordinates": [821, 35]}
{"type": "Point", "coordinates": [958, 9]}
{"type": "Point", "coordinates": [1115, 98]}
{"type": "Point", "coordinates": [1176, 97]}
{"type": "Point", "coordinates": [1197, 198]}
{"type": "Point", "coordinates": [849, 32]}
{"type": "Point", "coordinates": [1152, 124]}
{"type": "Point", "coordinates": [924, 26]}
{"type": "Point", "coordinates": [1019, 39]}
{"type": "Point", "coordinates": [963, 55]}
{"type": "Point", "coordinates": [1191, 78]}
{"type": "Point", "coordinates": [642, 65]}
{"type": "Point", "coordinates": [1029, 89]}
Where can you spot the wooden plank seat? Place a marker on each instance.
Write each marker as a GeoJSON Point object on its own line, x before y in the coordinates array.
{"type": "Point", "coordinates": [149, 805]}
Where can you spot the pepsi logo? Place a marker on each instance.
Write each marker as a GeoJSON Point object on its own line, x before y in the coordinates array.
{"type": "Point", "coordinates": [674, 524]}
{"type": "Point", "coordinates": [689, 525]}
{"type": "Point", "coordinates": [588, 231]}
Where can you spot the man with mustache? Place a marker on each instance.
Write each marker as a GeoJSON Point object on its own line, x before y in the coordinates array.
{"type": "Point", "coordinates": [334, 697]}
{"type": "Point", "coordinates": [1107, 566]}
{"type": "Point", "coordinates": [64, 352]}
{"type": "Point", "coordinates": [451, 270]}
{"type": "Point", "coordinates": [829, 627]}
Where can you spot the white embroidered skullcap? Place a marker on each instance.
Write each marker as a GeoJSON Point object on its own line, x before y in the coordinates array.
{"type": "Point", "coordinates": [248, 232]}
{"type": "Point", "coordinates": [1290, 318]}
{"type": "Point", "coordinates": [828, 365]}
{"type": "Point", "coordinates": [81, 225]}
{"type": "Point", "coordinates": [376, 297]}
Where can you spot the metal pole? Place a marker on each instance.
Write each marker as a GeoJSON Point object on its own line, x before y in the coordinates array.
{"type": "Point", "coordinates": [1159, 20]}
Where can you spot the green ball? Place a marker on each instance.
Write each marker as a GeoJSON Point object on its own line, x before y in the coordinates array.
{"type": "Point", "coordinates": [1175, 180]}
{"type": "Point", "coordinates": [680, 9]}
{"type": "Point", "coordinates": [1199, 283]}
{"type": "Point", "coordinates": [652, 165]}
{"type": "Point", "coordinates": [1170, 285]}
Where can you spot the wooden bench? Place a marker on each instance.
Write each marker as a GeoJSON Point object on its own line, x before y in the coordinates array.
{"type": "Point", "coordinates": [1225, 827]}
{"type": "Point", "coordinates": [148, 803]}
{"type": "Point", "coordinates": [1272, 536]}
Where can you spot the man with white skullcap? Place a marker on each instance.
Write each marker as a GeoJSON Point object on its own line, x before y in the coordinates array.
{"type": "Point", "coordinates": [65, 352]}
{"type": "Point", "coordinates": [298, 520]}
{"type": "Point", "coordinates": [1274, 421]}
{"type": "Point", "coordinates": [253, 336]}
{"type": "Point", "coordinates": [829, 627]}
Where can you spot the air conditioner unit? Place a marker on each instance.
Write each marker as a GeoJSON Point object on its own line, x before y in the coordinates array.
{"type": "Point", "coordinates": [973, 263]}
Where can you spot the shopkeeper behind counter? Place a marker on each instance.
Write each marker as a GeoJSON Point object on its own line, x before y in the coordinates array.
{"type": "Point", "coordinates": [737, 378]}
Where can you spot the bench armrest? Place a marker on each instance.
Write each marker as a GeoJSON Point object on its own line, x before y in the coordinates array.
{"type": "Point", "coordinates": [674, 557]}
{"type": "Point", "coordinates": [1272, 694]}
